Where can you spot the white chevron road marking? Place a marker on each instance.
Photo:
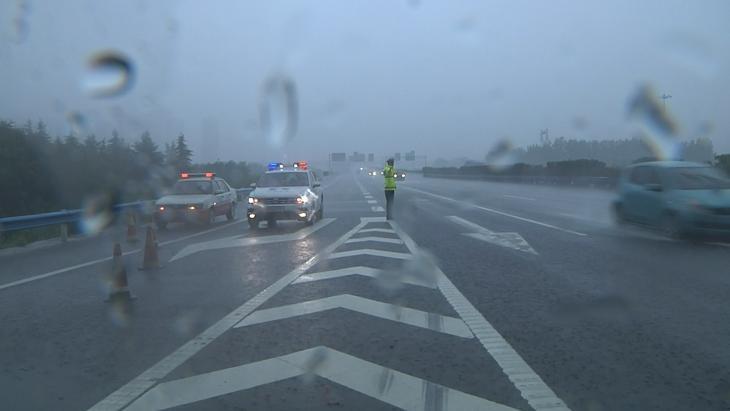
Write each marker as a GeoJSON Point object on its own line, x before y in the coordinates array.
{"type": "Point", "coordinates": [359, 270]}
{"type": "Point", "coordinates": [374, 239]}
{"type": "Point", "coordinates": [237, 241]}
{"type": "Point", "coordinates": [371, 252]}
{"type": "Point", "coordinates": [385, 384]}
{"type": "Point", "coordinates": [376, 230]}
{"type": "Point", "coordinates": [405, 315]}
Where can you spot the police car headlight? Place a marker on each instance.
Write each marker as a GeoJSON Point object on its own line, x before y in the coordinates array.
{"type": "Point", "coordinates": [253, 200]}
{"type": "Point", "coordinates": [302, 200]}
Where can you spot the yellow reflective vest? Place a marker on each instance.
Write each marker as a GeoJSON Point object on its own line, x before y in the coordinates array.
{"type": "Point", "coordinates": [389, 174]}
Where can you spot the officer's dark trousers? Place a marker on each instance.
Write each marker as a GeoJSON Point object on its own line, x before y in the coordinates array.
{"type": "Point", "coordinates": [389, 198]}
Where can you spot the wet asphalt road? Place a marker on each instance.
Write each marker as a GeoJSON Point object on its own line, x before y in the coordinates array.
{"type": "Point", "coordinates": [526, 298]}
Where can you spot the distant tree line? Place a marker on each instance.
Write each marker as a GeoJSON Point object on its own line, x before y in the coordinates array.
{"type": "Point", "coordinates": [40, 173]}
{"type": "Point", "coordinates": [615, 153]}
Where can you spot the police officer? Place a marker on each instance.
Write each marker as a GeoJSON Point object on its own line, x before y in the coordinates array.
{"type": "Point", "coordinates": [389, 174]}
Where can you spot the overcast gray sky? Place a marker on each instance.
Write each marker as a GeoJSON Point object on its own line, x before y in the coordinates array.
{"type": "Point", "coordinates": [444, 78]}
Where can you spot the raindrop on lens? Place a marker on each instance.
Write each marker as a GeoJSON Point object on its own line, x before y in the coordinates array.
{"type": "Point", "coordinates": [96, 214]}
{"type": "Point", "coordinates": [501, 156]}
{"type": "Point", "coordinates": [314, 363]}
{"type": "Point", "coordinates": [657, 127]}
{"type": "Point", "coordinates": [278, 110]}
{"type": "Point", "coordinates": [77, 121]}
{"type": "Point", "coordinates": [109, 74]}
{"type": "Point", "coordinates": [20, 22]}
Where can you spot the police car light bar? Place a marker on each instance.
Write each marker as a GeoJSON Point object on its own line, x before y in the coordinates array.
{"type": "Point", "coordinates": [302, 165]}
{"type": "Point", "coordinates": [184, 175]}
{"type": "Point", "coordinates": [275, 166]}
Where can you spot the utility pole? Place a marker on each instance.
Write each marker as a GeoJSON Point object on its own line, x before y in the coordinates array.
{"type": "Point", "coordinates": [664, 98]}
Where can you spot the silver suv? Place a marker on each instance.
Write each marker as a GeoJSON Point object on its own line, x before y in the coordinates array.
{"type": "Point", "coordinates": [197, 197]}
{"type": "Point", "coordinates": [286, 194]}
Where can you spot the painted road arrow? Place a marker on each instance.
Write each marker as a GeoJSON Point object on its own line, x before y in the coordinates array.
{"type": "Point", "coordinates": [237, 241]}
{"type": "Point", "coordinates": [385, 384]}
{"type": "Point", "coordinates": [410, 316]}
{"type": "Point", "coordinates": [509, 240]}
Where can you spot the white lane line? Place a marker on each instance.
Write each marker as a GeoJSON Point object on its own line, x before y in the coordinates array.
{"type": "Point", "coordinates": [384, 384]}
{"type": "Point", "coordinates": [236, 241]}
{"type": "Point", "coordinates": [101, 260]}
{"type": "Point", "coordinates": [374, 239]}
{"type": "Point", "coordinates": [502, 213]}
{"type": "Point", "coordinates": [59, 271]}
{"type": "Point", "coordinates": [537, 393]}
{"type": "Point", "coordinates": [133, 389]}
{"type": "Point", "coordinates": [377, 209]}
{"type": "Point", "coordinates": [372, 202]}
{"type": "Point", "coordinates": [519, 197]}
{"type": "Point", "coordinates": [392, 312]}
{"type": "Point", "coordinates": [377, 230]}
{"type": "Point", "coordinates": [362, 271]}
{"type": "Point", "coordinates": [371, 252]}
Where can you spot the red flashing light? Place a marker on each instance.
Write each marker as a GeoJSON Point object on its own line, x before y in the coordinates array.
{"type": "Point", "coordinates": [184, 175]}
{"type": "Point", "coordinates": [302, 165]}
{"type": "Point", "coordinates": [209, 174]}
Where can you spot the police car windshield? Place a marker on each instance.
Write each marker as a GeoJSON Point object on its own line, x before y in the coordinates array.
{"type": "Point", "coordinates": [283, 179]}
{"type": "Point", "coordinates": [698, 178]}
{"type": "Point", "coordinates": [193, 187]}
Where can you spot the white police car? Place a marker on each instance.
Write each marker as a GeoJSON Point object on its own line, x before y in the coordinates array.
{"type": "Point", "coordinates": [197, 197]}
{"type": "Point", "coordinates": [286, 193]}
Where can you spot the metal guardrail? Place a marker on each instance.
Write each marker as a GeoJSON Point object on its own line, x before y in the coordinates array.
{"type": "Point", "coordinates": [66, 217]}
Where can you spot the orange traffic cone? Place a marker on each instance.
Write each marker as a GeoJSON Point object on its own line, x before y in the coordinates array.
{"type": "Point", "coordinates": [151, 260]}
{"type": "Point", "coordinates": [118, 288]}
{"type": "Point", "coordinates": [131, 228]}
